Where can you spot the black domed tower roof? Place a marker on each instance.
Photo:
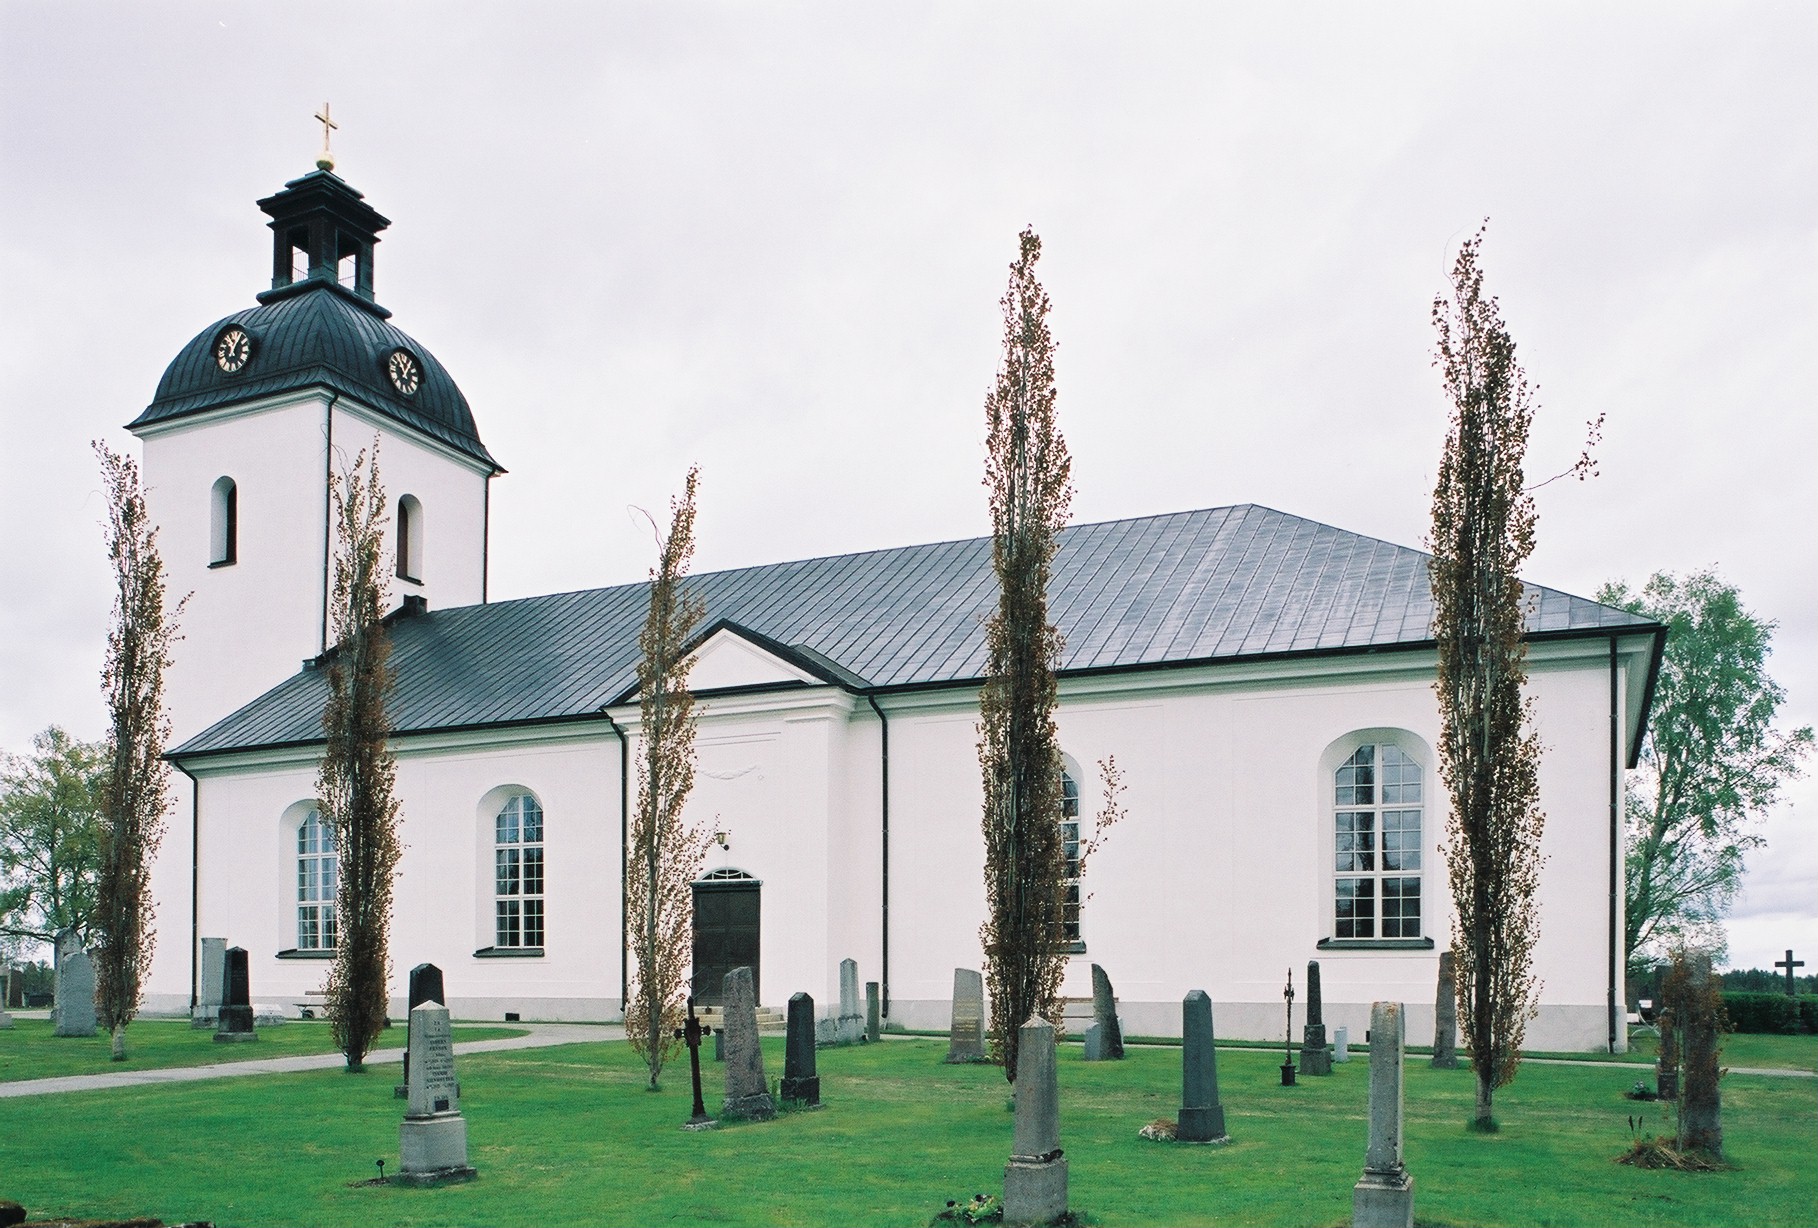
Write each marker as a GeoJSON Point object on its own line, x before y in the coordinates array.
{"type": "Point", "coordinates": [320, 329]}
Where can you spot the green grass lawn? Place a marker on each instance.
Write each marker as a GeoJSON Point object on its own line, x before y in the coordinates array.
{"type": "Point", "coordinates": [29, 1051]}
{"type": "Point", "coordinates": [566, 1136]}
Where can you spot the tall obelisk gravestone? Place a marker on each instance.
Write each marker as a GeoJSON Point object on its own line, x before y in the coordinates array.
{"type": "Point", "coordinates": [1202, 1118]}
{"type": "Point", "coordinates": [1315, 1058]}
{"type": "Point", "coordinates": [1445, 1015]}
{"type": "Point", "coordinates": [1384, 1197]}
{"type": "Point", "coordinates": [1035, 1180]}
{"type": "Point", "coordinates": [432, 1141]}
{"type": "Point", "coordinates": [210, 977]}
{"type": "Point", "coordinates": [747, 1091]}
{"type": "Point", "coordinates": [801, 1082]}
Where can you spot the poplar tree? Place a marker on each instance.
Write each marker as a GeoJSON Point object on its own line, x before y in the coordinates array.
{"type": "Point", "coordinates": [1027, 472]}
{"type": "Point", "coordinates": [1483, 530]}
{"type": "Point", "coordinates": [136, 789]}
{"type": "Point", "coordinates": [665, 852]}
{"type": "Point", "coordinates": [354, 785]}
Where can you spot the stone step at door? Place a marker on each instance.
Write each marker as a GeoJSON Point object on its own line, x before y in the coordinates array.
{"type": "Point", "coordinates": [769, 1019]}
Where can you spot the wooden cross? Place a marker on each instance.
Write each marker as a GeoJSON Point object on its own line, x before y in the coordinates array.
{"type": "Point", "coordinates": [1789, 963]}
{"type": "Point", "coordinates": [328, 125]}
{"type": "Point", "coordinates": [691, 1036]}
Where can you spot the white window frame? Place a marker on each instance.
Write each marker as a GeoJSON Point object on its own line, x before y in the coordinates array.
{"type": "Point", "coordinates": [316, 865]}
{"type": "Point", "coordinates": [1073, 903]}
{"type": "Point", "coordinates": [1345, 860]}
{"type": "Point", "coordinates": [224, 523]}
{"type": "Point", "coordinates": [519, 874]}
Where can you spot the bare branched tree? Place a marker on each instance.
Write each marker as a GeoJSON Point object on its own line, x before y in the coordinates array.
{"type": "Point", "coordinates": [1483, 530]}
{"type": "Point", "coordinates": [354, 785]}
{"type": "Point", "coordinates": [1027, 472]}
{"type": "Point", "coordinates": [136, 791]}
{"type": "Point", "coordinates": [665, 851]}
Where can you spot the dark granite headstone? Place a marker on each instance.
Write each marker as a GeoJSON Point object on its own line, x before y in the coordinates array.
{"type": "Point", "coordinates": [873, 1015]}
{"type": "Point", "coordinates": [425, 986]}
{"type": "Point", "coordinates": [1104, 1013]}
{"type": "Point", "coordinates": [236, 1022]}
{"type": "Point", "coordinates": [15, 990]}
{"type": "Point", "coordinates": [1445, 1015]}
{"type": "Point", "coordinates": [800, 1082]}
{"type": "Point", "coordinates": [1315, 1058]}
{"type": "Point", "coordinates": [1202, 1117]}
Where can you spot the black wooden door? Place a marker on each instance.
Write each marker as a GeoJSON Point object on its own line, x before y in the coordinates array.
{"type": "Point", "coordinates": [725, 935]}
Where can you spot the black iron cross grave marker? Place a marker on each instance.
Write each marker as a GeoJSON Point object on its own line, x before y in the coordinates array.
{"type": "Point", "coordinates": [691, 1035]}
{"type": "Point", "coordinates": [1789, 963]}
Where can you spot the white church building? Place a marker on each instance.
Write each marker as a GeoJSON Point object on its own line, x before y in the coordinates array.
{"type": "Point", "coordinates": [1265, 683]}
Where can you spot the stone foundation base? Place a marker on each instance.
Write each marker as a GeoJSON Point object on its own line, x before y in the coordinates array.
{"type": "Point", "coordinates": [756, 1107]}
{"type": "Point", "coordinates": [1205, 1125]}
{"type": "Point", "coordinates": [441, 1176]}
{"type": "Point", "coordinates": [235, 1038]}
{"type": "Point", "coordinates": [1382, 1201]}
{"type": "Point", "coordinates": [1316, 1061]}
{"type": "Point", "coordinates": [1035, 1192]}
{"type": "Point", "coordinates": [808, 1089]}
{"type": "Point", "coordinates": [431, 1147]}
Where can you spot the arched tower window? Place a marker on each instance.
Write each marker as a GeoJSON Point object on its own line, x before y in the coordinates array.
{"type": "Point", "coordinates": [1069, 819]}
{"type": "Point", "coordinates": [410, 539]}
{"type": "Point", "coordinates": [317, 867]}
{"type": "Point", "coordinates": [518, 873]}
{"type": "Point", "coordinates": [1377, 796]}
{"type": "Point", "coordinates": [223, 523]}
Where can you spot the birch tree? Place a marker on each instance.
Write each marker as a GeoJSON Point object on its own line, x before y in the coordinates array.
{"type": "Point", "coordinates": [665, 852]}
{"type": "Point", "coordinates": [1027, 472]}
{"type": "Point", "coordinates": [354, 785]}
{"type": "Point", "coordinates": [1483, 530]}
{"type": "Point", "coordinates": [136, 789]}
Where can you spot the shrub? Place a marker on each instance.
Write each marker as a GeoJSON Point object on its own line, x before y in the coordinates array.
{"type": "Point", "coordinates": [1772, 1013]}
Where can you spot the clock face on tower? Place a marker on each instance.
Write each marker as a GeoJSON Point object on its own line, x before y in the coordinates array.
{"type": "Point", "coordinates": [405, 372]}
{"type": "Point", "coordinates": [233, 349]}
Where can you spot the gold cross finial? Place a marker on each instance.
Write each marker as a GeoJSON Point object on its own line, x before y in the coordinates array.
{"type": "Point", "coordinates": [325, 160]}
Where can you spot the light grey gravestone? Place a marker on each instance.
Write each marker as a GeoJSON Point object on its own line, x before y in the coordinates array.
{"type": "Point", "coordinates": [1315, 1059]}
{"type": "Point", "coordinates": [432, 1141]}
{"type": "Point", "coordinates": [65, 943]}
{"type": "Point", "coordinates": [6, 993]}
{"type": "Point", "coordinates": [15, 989]}
{"type": "Point", "coordinates": [1384, 1197]}
{"type": "Point", "coordinates": [1094, 1037]}
{"type": "Point", "coordinates": [1341, 1045]}
{"type": "Point", "coordinates": [800, 1080]}
{"type": "Point", "coordinates": [852, 1023]}
{"type": "Point", "coordinates": [210, 979]}
{"type": "Point", "coordinates": [1202, 1117]}
{"type": "Point", "coordinates": [966, 1037]}
{"type": "Point", "coordinates": [73, 1009]}
{"type": "Point", "coordinates": [1104, 1013]}
{"type": "Point", "coordinates": [1445, 1015]}
{"type": "Point", "coordinates": [1035, 1180]}
{"type": "Point", "coordinates": [874, 1020]}
{"type": "Point", "coordinates": [747, 1090]}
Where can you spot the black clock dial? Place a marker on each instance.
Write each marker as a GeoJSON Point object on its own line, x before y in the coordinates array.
{"type": "Point", "coordinates": [405, 374]}
{"type": "Point", "coordinates": [233, 349]}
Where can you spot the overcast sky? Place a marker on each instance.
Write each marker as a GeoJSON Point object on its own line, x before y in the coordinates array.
{"type": "Point", "coordinates": [772, 239]}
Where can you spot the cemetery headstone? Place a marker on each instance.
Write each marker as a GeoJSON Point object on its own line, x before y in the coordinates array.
{"type": "Point", "coordinates": [1666, 1065]}
{"type": "Point", "coordinates": [1104, 1013]}
{"type": "Point", "coordinates": [747, 1090]}
{"type": "Point", "coordinates": [690, 1035]}
{"type": "Point", "coordinates": [66, 942]}
{"type": "Point", "coordinates": [1341, 1045]}
{"type": "Point", "coordinates": [425, 986]}
{"type": "Point", "coordinates": [210, 978]}
{"type": "Point", "coordinates": [1202, 1117]}
{"type": "Point", "coordinates": [852, 1023]}
{"type": "Point", "coordinates": [1095, 1042]}
{"type": "Point", "coordinates": [73, 1010]}
{"type": "Point", "coordinates": [1384, 1197]}
{"type": "Point", "coordinates": [15, 990]}
{"type": "Point", "coordinates": [874, 1018]}
{"type": "Point", "coordinates": [1445, 1015]}
{"type": "Point", "coordinates": [1035, 1180]}
{"type": "Point", "coordinates": [719, 1041]}
{"type": "Point", "coordinates": [235, 1021]}
{"type": "Point", "coordinates": [966, 1037]}
{"type": "Point", "coordinates": [1700, 1011]}
{"type": "Point", "coordinates": [6, 989]}
{"type": "Point", "coordinates": [432, 1141]}
{"type": "Point", "coordinates": [800, 1082]}
{"type": "Point", "coordinates": [1315, 1058]}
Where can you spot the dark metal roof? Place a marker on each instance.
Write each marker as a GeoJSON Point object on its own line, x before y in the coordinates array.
{"type": "Point", "coordinates": [317, 335]}
{"type": "Point", "coordinates": [1190, 587]}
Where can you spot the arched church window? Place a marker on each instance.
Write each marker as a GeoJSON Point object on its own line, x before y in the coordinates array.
{"type": "Point", "coordinates": [518, 873]}
{"type": "Point", "coordinates": [223, 523]}
{"type": "Point", "coordinates": [1070, 881]}
{"type": "Point", "coordinates": [317, 867]}
{"type": "Point", "coordinates": [410, 539]}
{"type": "Point", "coordinates": [1377, 798]}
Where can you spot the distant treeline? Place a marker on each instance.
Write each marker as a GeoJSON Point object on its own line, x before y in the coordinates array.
{"type": "Point", "coordinates": [1757, 981]}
